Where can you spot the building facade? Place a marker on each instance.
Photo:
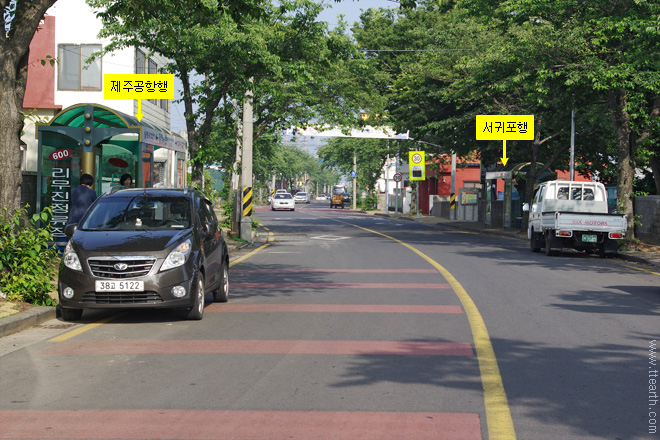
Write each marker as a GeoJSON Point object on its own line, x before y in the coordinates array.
{"type": "Point", "coordinates": [64, 73]}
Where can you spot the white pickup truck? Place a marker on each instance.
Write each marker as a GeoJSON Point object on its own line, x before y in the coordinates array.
{"type": "Point", "coordinates": [568, 214]}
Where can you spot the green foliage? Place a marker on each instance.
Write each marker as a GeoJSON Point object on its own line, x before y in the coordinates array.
{"type": "Point", "coordinates": [209, 190]}
{"type": "Point", "coordinates": [27, 263]}
{"type": "Point", "coordinates": [371, 155]}
{"type": "Point", "coordinates": [369, 202]}
{"type": "Point", "coordinates": [227, 211]}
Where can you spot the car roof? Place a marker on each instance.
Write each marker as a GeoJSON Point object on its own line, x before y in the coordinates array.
{"type": "Point", "coordinates": [155, 192]}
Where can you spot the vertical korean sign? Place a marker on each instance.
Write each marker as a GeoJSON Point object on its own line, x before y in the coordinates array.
{"type": "Point", "coordinates": [60, 186]}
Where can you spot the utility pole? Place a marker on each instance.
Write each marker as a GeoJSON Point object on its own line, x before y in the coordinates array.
{"type": "Point", "coordinates": [236, 192]}
{"type": "Point", "coordinates": [573, 144]}
{"type": "Point", "coordinates": [452, 188]}
{"type": "Point", "coordinates": [246, 169]}
{"type": "Point", "coordinates": [387, 180]}
{"type": "Point", "coordinates": [354, 180]}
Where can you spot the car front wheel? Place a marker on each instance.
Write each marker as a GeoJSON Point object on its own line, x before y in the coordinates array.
{"type": "Point", "coordinates": [196, 312]}
{"type": "Point", "coordinates": [222, 293]}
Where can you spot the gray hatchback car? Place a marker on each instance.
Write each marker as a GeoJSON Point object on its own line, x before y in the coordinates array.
{"type": "Point", "coordinates": [144, 248]}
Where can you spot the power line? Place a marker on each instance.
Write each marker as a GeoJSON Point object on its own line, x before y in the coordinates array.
{"type": "Point", "coordinates": [419, 50]}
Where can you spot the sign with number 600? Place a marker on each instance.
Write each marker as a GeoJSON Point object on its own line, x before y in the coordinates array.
{"type": "Point", "coordinates": [61, 154]}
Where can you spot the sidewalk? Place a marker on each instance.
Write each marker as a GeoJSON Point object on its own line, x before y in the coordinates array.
{"type": "Point", "coordinates": [12, 321]}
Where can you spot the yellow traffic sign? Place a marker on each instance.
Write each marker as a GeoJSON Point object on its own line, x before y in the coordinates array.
{"type": "Point", "coordinates": [417, 165]}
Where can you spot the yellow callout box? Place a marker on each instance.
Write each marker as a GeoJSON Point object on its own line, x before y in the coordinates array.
{"type": "Point", "coordinates": [138, 86]}
{"type": "Point", "coordinates": [505, 127]}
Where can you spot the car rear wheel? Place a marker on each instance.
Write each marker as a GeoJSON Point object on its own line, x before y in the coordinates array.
{"type": "Point", "coordinates": [222, 293]}
{"type": "Point", "coordinates": [71, 314]}
{"type": "Point", "coordinates": [196, 312]}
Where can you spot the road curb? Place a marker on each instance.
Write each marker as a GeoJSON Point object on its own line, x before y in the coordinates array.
{"type": "Point", "coordinates": [28, 318]}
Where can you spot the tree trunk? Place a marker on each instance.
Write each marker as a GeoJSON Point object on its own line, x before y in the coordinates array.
{"type": "Point", "coordinates": [621, 118]}
{"type": "Point", "coordinates": [12, 89]}
{"type": "Point", "coordinates": [14, 50]}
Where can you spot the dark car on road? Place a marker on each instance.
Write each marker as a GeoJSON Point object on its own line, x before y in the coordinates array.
{"type": "Point", "coordinates": [144, 248]}
{"type": "Point", "coordinates": [346, 198]}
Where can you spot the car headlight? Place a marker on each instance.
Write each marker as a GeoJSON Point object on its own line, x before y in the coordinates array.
{"type": "Point", "coordinates": [71, 259]}
{"type": "Point", "coordinates": [177, 257]}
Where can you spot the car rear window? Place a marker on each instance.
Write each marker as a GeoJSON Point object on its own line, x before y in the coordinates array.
{"type": "Point", "coordinates": [139, 213]}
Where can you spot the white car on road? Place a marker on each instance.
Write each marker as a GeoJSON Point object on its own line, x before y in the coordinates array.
{"type": "Point", "coordinates": [283, 201]}
{"type": "Point", "coordinates": [301, 197]}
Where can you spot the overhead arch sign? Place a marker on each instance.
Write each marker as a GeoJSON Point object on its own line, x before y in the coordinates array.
{"type": "Point", "coordinates": [366, 132]}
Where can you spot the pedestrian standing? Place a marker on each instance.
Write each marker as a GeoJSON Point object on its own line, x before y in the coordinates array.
{"type": "Point", "coordinates": [126, 180]}
{"type": "Point", "coordinates": [81, 199]}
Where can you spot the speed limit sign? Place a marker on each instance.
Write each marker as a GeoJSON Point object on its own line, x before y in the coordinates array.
{"type": "Point", "coordinates": [398, 177]}
{"type": "Point", "coordinates": [416, 162]}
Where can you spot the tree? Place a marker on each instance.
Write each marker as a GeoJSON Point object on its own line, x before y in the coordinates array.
{"type": "Point", "coordinates": [370, 155]}
{"type": "Point", "coordinates": [613, 56]}
{"type": "Point", "coordinates": [19, 27]}
{"type": "Point", "coordinates": [210, 54]}
{"type": "Point", "coordinates": [531, 57]}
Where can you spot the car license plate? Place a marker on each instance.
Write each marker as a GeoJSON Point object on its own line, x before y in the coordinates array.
{"type": "Point", "coordinates": [589, 239]}
{"type": "Point", "coordinates": [119, 286]}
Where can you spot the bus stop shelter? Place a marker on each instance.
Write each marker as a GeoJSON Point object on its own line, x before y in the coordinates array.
{"type": "Point", "coordinates": [97, 140]}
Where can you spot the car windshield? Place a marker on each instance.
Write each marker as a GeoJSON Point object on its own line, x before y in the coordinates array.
{"type": "Point", "coordinates": [138, 213]}
{"type": "Point", "coordinates": [283, 196]}
{"type": "Point", "coordinates": [302, 194]}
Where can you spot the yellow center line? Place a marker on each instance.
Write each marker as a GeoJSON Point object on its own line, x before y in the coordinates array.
{"type": "Point", "coordinates": [84, 328]}
{"type": "Point", "coordinates": [639, 268]}
{"type": "Point", "coordinates": [498, 415]}
{"type": "Point", "coordinates": [246, 256]}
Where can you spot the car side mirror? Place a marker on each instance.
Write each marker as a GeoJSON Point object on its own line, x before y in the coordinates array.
{"type": "Point", "coordinates": [525, 207]}
{"type": "Point", "coordinates": [70, 229]}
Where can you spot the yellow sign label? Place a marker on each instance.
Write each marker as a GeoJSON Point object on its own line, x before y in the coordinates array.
{"type": "Point", "coordinates": [417, 165]}
{"type": "Point", "coordinates": [138, 86]}
{"type": "Point", "coordinates": [505, 127]}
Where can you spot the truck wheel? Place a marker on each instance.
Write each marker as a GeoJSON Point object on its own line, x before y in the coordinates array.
{"type": "Point", "coordinates": [548, 244]}
{"type": "Point", "coordinates": [534, 239]}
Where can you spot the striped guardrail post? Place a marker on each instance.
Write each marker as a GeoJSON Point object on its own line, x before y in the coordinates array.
{"type": "Point", "coordinates": [247, 201]}
{"type": "Point", "coordinates": [452, 206]}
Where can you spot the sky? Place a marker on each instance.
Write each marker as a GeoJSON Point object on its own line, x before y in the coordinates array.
{"type": "Point", "coordinates": [351, 9]}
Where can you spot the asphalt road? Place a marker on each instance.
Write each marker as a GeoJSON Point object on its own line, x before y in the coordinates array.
{"type": "Point", "coordinates": [342, 325]}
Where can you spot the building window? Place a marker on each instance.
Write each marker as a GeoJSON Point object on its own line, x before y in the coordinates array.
{"type": "Point", "coordinates": [140, 61]}
{"type": "Point", "coordinates": [164, 104]}
{"type": "Point", "coordinates": [74, 73]}
{"type": "Point", "coordinates": [153, 69]}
